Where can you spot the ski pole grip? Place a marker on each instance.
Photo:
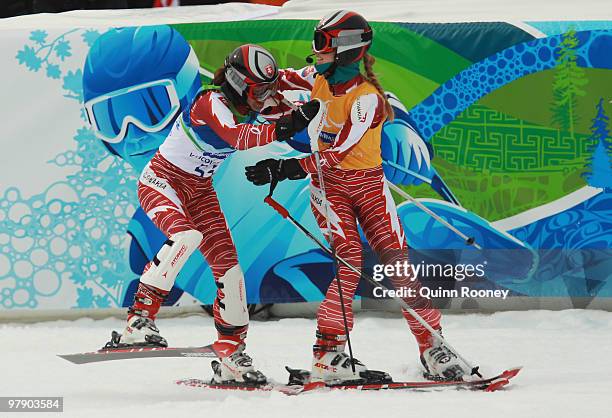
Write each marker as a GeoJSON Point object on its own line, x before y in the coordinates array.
{"type": "Point", "coordinates": [277, 206]}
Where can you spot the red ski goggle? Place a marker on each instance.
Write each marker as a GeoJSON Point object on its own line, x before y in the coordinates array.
{"type": "Point", "coordinates": [257, 91]}
{"type": "Point", "coordinates": [322, 42]}
{"type": "Point", "coordinates": [262, 91]}
{"type": "Point", "coordinates": [326, 42]}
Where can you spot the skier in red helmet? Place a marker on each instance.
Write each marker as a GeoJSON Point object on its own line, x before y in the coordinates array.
{"type": "Point", "coordinates": [356, 192]}
{"type": "Point", "coordinates": [176, 191]}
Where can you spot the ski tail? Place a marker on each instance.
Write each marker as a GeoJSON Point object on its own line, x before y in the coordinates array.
{"type": "Point", "coordinates": [127, 353]}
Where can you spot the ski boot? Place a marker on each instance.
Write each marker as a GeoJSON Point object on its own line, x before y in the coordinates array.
{"type": "Point", "coordinates": [441, 363]}
{"type": "Point", "coordinates": [141, 330]}
{"type": "Point", "coordinates": [237, 369]}
{"type": "Point", "coordinates": [331, 365]}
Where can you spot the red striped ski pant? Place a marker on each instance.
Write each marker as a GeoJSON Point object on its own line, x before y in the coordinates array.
{"type": "Point", "coordinates": [190, 203]}
{"type": "Point", "coordinates": [362, 196]}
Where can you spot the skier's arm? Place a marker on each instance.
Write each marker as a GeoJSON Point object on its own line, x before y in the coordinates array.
{"type": "Point", "coordinates": [210, 110]}
{"type": "Point", "coordinates": [368, 111]}
{"type": "Point", "coordinates": [303, 79]}
{"type": "Point", "coordinates": [278, 106]}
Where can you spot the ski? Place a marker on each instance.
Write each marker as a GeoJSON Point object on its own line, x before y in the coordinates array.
{"type": "Point", "coordinates": [267, 387]}
{"type": "Point", "coordinates": [487, 385]}
{"type": "Point", "coordinates": [126, 353]}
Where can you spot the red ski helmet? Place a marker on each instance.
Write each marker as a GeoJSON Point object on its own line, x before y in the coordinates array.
{"type": "Point", "coordinates": [251, 71]}
{"type": "Point", "coordinates": [346, 32]}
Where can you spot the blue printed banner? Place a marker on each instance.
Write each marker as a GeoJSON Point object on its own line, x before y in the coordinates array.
{"type": "Point", "coordinates": [502, 131]}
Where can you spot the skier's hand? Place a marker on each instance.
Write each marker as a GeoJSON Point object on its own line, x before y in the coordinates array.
{"type": "Point", "coordinates": [263, 172]}
{"type": "Point", "coordinates": [304, 114]}
{"type": "Point", "coordinates": [299, 119]}
{"type": "Point", "coordinates": [267, 171]}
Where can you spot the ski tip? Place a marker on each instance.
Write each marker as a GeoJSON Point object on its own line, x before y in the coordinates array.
{"type": "Point", "coordinates": [503, 379]}
{"type": "Point", "coordinates": [512, 372]}
{"type": "Point", "coordinates": [72, 358]}
{"type": "Point", "coordinates": [496, 385]}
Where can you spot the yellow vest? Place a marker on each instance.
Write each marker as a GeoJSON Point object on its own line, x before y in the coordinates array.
{"type": "Point", "coordinates": [366, 153]}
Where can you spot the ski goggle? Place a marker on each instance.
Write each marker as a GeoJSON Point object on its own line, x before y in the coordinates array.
{"type": "Point", "coordinates": [325, 42]}
{"type": "Point", "coordinates": [256, 91]}
{"type": "Point", "coordinates": [262, 91]}
{"type": "Point", "coordinates": [322, 42]}
{"type": "Point", "coordinates": [149, 106]}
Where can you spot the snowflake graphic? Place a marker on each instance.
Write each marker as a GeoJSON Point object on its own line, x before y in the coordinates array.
{"type": "Point", "coordinates": [48, 243]}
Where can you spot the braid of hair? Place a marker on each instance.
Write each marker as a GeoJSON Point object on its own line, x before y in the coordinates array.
{"type": "Point", "coordinates": [368, 63]}
{"type": "Point", "coordinates": [219, 76]}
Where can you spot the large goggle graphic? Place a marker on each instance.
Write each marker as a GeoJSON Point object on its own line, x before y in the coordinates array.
{"type": "Point", "coordinates": [257, 91]}
{"type": "Point", "coordinates": [326, 42]}
{"type": "Point", "coordinates": [149, 106]}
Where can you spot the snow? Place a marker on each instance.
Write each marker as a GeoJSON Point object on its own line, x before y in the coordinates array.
{"type": "Point", "coordinates": [380, 10]}
{"type": "Point", "coordinates": [567, 359]}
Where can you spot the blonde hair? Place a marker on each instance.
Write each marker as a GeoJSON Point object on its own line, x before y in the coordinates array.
{"type": "Point", "coordinates": [368, 63]}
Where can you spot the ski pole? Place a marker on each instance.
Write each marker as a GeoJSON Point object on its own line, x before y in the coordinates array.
{"type": "Point", "coordinates": [314, 130]}
{"type": "Point", "coordinates": [468, 240]}
{"type": "Point", "coordinates": [407, 171]}
{"type": "Point", "coordinates": [435, 182]}
{"type": "Point", "coordinates": [282, 211]}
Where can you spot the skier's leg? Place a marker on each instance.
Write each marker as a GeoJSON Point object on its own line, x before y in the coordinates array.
{"type": "Point", "coordinates": [330, 362]}
{"type": "Point", "coordinates": [347, 245]}
{"type": "Point", "coordinates": [378, 218]}
{"type": "Point", "coordinates": [230, 307]}
{"type": "Point", "coordinates": [217, 246]}
{"type": "Point", "coordinates": [162, 204]}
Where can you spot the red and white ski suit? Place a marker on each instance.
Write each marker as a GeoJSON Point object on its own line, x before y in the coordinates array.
{"type": "Point", "coordinates": [358, 195]}
{"type": "Point", "coordinates": [176, 188]}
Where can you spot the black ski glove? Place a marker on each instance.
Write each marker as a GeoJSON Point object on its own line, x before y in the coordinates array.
{"type": "Point", "coordinates": [267, 171]}
{"type": "Point", "coordinates": [299, 119]}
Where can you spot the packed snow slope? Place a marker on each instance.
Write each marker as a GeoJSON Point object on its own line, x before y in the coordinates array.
{"type": "Point", "coordinates": [567, 359]}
